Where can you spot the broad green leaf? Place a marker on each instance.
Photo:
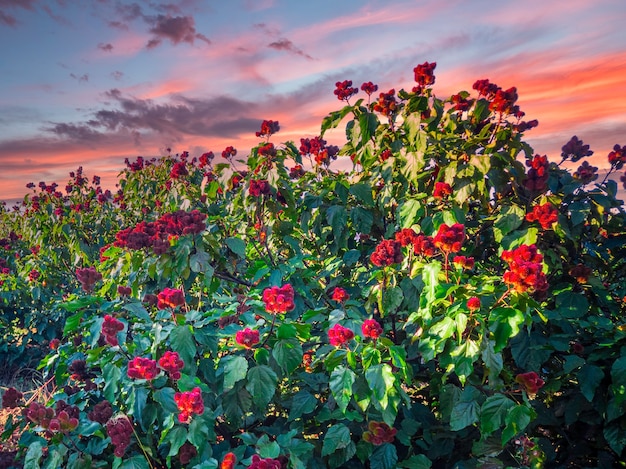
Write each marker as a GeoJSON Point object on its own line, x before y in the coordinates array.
{"type": "Point", "coordinates": [419, 461]}
{"type": "Point", "coordinates": [303, 402]}
{"type": "Point", "coordinates": [615, 436]}
{"type": "Point", "coordinates": [618, 377]}
{"type": "Point", "coordinates": [384, 457]}
{"type": "Point", "coordinates": [165, 397]}
{"type": "Point", "coordinates": [288, 354]}
{"type": "Point", "coordinates": [199, 262]}
{"type": "Point", "coordinates": [198, 431]}
{"type": "Point", "coordinates": [111, 374]}
{"type": "Point", "coordinates": [236, 245]}
{"type": "Point", "coordinates": [267, 448]}
{"type": "Point", "coordinates": [363, 192]}
{"type": "Point", "coordinates": [392, 299]}
{"type": "Point", "coordinates": [234, 368]}
{"type": "Point", "coordinates": [135, 462]}
{"type": "Point", "coordinates": [183, 342]}
{"type": "Point", "coordinates": [493, 412]}
{"type": "Point", "coordinates": [510, 218]}
{"type": "Point", "coordinates": [466, 409]}
{"type": "Point", "coordinates": [589, 378]}
{"type": "Point", "coordinates": [176, 437]}
{"type": "Point", "coordinates": [341, 381]}
{"type": "Point", "coordinates": [337, 437]}
{"type": "Point", "coordinates": [380, 379]}
{"type": "Point", "coordinates": [33, 455]}
{"type": "Point", "coordinates": [261, 384]}
{"type": "Point", "coordinates": [517, 419]}
{"type": "Point", "coordinates": [572, 305]}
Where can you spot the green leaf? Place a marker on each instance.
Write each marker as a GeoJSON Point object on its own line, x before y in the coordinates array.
{"type": "Point", "coordinates": [516, 421]}
{"type": "Point", "coordinates": [261, 384]}
{"type": "Point", "coordinates": [419, 461]}
{"type": "Point", "coordinates": [618, 377]}
{"type": "Point", "coordinates": [392, 299]}
{"type": "Point", "coordinates": [139, 405]}
{"type": "Point", "coordinates": [237, 245]}
{"type": "Point", "coordinates": [380, 379]}
{"type": "Point", "coordinates": [111, 374]}
{"type": "Point", "coordinates": [73, 322]}
{"type": "Point", "coordinates": [409, 212]}
{"type": "Point", "coordinates": [288, 354]}
{"type": "Point", "coordinates": [183, 342]}
{"type": "Point", "coordinates": [303, 402]}
{"type": "Point", "coordinates": [267, 448]}
{"type": "Point", "coordinates": [341, 381]}
{"type": "Point", "coordinates": [176, 437]}
{"type": "Point", "coordinates": [444, 328]}
{"type": "Point", "coordinates": [572, 305]}
{"type": "Point", "coordinates": [234, 368]}
{"type": "Point", "coordinates": [384, 457]}
{"type": "Point", "coordinates": [136, 462]}
{"type": "Point", "coordinates": [199, 262]}
{"type": "Point", "coordinates": [165, 397]}
{"type": "Point", "coordinates": [362, 219]}
{"type": "Point", "coordinates": [33, 455]}
{"type": "Point", "coordinates": [505, 324]}
{"type": "Point", "coordinates": [493, 412]}
{"type": "Point", "coordinates": [615, 436]}
{"type": "Point", "coordinates": [466, 409]}
{"type": "Point", "coordinates": [589, 378]}
{"type": "Point", "coordinates": [510, 218]}
{"type": "Point", "coordinates": [198, 431]}
{"type": "Point", "coordinates": [363, 192]}
{"type": "Point", "coordinates": [337, 437]}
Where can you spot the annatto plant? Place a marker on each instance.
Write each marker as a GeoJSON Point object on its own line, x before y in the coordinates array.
{"type": "Point", "coordinates": [453, 300]}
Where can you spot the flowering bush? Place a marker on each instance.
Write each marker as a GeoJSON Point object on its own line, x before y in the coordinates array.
{"type": "Point", "coordinates": [453, 300]}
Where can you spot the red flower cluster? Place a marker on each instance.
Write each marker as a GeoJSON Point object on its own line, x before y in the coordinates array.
{"type": "Point", "coordinates": [386, 104]}
{"type": "Point", "coordinates": [371, 328]}
{"type": "Point", "coordinates": [229, 461]}
{"type": "Point", "coordinates": [64, 420]}
{"type": "Point", "coordinates": [189, 403]}
{"type": "Point", "coordinates": [442, 189]}
{"type": "Point", "coordinates": [179, 170]}
{"type": "Point", "coordinates": [317, 147]}
{"type": "Point", "coordinates": [155, 235]}
{"type": "Point", "coordinates": [424, 245]}
{"type": "Point", "coordinates": [170, 298]}
{"type": "Point", "coordinates": [124, 291]}
{"type": "Point", "coordinates": [247, 338]}
{"type": "Point", "coordinates": [268, 150]}
{"type": "Point", "coordinates": [464, 262]}
{"type": "Point", "coordinates": [110, 327]}
{"type": "Point", "coordinates": [339, 335]}
{"type": "Point", "coordinates": [369, 88]}
{"type": "Point", "coordinates": [264, 463]}
{"type": "Point", "coordinates": [10, 398]}
{"type": "Point", "coordinates": [340, 295]}
{"type": "Point", "coordinates": [142, 368]}
{"type": "Point", "coordinates": [119, 430]}
{"type": "Point", "coordinates": [205, 159]}
{"type": "Point", "coordinates": [387, 252]}
{"type": "Point", "coordinates": [500, 100]}
{"type": "Point", "coordinates": [424, 76]}
{"type": "Point", "coordinates": [268, 128]}
{"type": "Point", "coordinates": [186, 453]}
{"type": "Point", "coordinates": [473, 303]}
{"type": "Point", "coordinates": [546, 214]}
{"type": "Point", "coordinates": [617, 157]}
{"type": "Point", "coordinates": [575, 149]}
{"type": "Point", "coordinates": [537, 176]}
{"type": "Point", "coordinates": [171, 362]}
{"type": "Point", "coordinates": [405, 236]}
{"type": "Point", "coordinates": [344, 90]}
{"type": "Point", "coordinates": [279, 299]}
{"type": "Point", "coordinates": [586, 173]}
{"type": "Point", "coordinates": [34, 275]}
{"type": "Point", "coordinates": [531, 382]}
{"type": "Point", "coordinates": [88, 278]}
{"type": "Point", "coordinates": [296, 172]}
{"type": "Point", "coordinates": [379, 433]}
{"type": "Point", "coordinates": [450, 238]}
{"type": "Point", "coordinates": [101, 412]}
{"type": "Point", "coordinates": [461, 103]}
{"type": "Point", "coordinates": [229, 152]}
{"type": "Point", "coordinates": [259, 187]}
{"type": "Point", "coordinates": [526, 269]}
{"type": "Point", "coordinates": [580, 272]}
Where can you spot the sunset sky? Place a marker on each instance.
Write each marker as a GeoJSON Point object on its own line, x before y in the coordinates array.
{"type": "Point", "coordinates": [93, 82]}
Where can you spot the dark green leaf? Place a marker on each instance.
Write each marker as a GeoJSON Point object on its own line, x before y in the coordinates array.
{"type": "Point", "coordinates": [234, 368]}
{"type": "Point", "coordinates": [237, 245]}
{"type": "Point", "coordinates": [341, 381]}
{"type": "Point", "coordinates": [493, 412]}
{"type": "Point", "coordinates": [183, 342]}
{"type": "Point", "coordinates": [337, 437]}
{"type": "Point", "coordinates": [466, 409]}
{"type": "Point", "coordinates": [262, 385]}
{"type": "Point", "coordinates": [384, 457]}
{"type": "Point", "coordinates": [288, 354]}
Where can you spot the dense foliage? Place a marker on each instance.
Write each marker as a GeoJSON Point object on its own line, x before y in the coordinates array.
{"type": "Point", "coordinates": [451, 300]}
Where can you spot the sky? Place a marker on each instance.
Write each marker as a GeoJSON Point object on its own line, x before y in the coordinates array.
{"type": "Point", "coordinates": [90, 83]}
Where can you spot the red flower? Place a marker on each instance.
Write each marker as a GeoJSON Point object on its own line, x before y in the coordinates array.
{"type": "Point", "coordinates": [504, 101]}
{"type": "Point", "coordinates": [34, 275]}
{"type": "Point", "coordinates": [248, 337]}
{"type": "Point", "coordinates": [388, 252]}
{"type": "Point", "coordinates": [463, 262]}
{"type": "Point", "coordinates": [379, 433]}
{"type": "Point", "coordinates": [171, 362]}
{"type": "Point", "coordinates": [450, 238]}
{"type": "Point", "coordinates": [119, 429]}
{"type": "Point", "coordinates": [189, 403]}
{"type": "Point", "coordinates": [617, 157]}
{"type": "Point", "coordinates": [369, 88]}
{"type": "Point", "coordinates": [525, 270]}
{"type": "Point", "coordinates": [340, 295]}
{"type": "Point", "coordinates": [142, 368]}
{"type": "Point", "coordinates": [54, 344]}
{"type": "Point", "coordinates": [531, 382]}
{"type": "Point", "coordinates": [586, 173]}
{"type": "Point", "coordinates": [575, 150]}
{"type": "Point", "coordinates": [229, 152]}
{"type": "Point", "coordinates": [205, 159]}
{"type": "Point", "coordinates": [371, 328]}
{"type": "Point", "coordinates": [406, 236]}
{"type": "Point", "coordinates": [424, 76]}
{"type": "Point", "coordinates": [179, 170]}
{"type": "Point", "coordinates": [339, 335]}
{"type": "Point", "coordinates": [170, 298]}
{"type": "Point", "coordinates": [110, 327]}
{"type": "Point", "coordinates": [229, 461]}
{"type": "Point", "coordinates": [279, 299]}
{"type": "Point", "coordinates": [124, 291]}
{"type": "Point", "coordinates": [268, 128]}
{"type": "Point", "coordinates": [296, 172]}
{"type": "Point", "coordinates": [344, 90]}
{"type": "Point", "coordinates": [473, 303]}
{"type": "Point", "coordinates": [537, 176]}
{"type": "Point", "coordinates": [580, 272]}
{"type": "Point", "coordinates": [545, 214]}
{"type": "Point", "coordinates": [11, 398]}
{"type": "Point", "coordinates": [424, 245]}
{"type": "Point", "coordinates": [266, 463]}
{"type": "Point", "coordinates": [386, 104]}
{"type": "Point", "coordinates": [442, 189]}
{"type": "Point", "coordinates": [259, 187]}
